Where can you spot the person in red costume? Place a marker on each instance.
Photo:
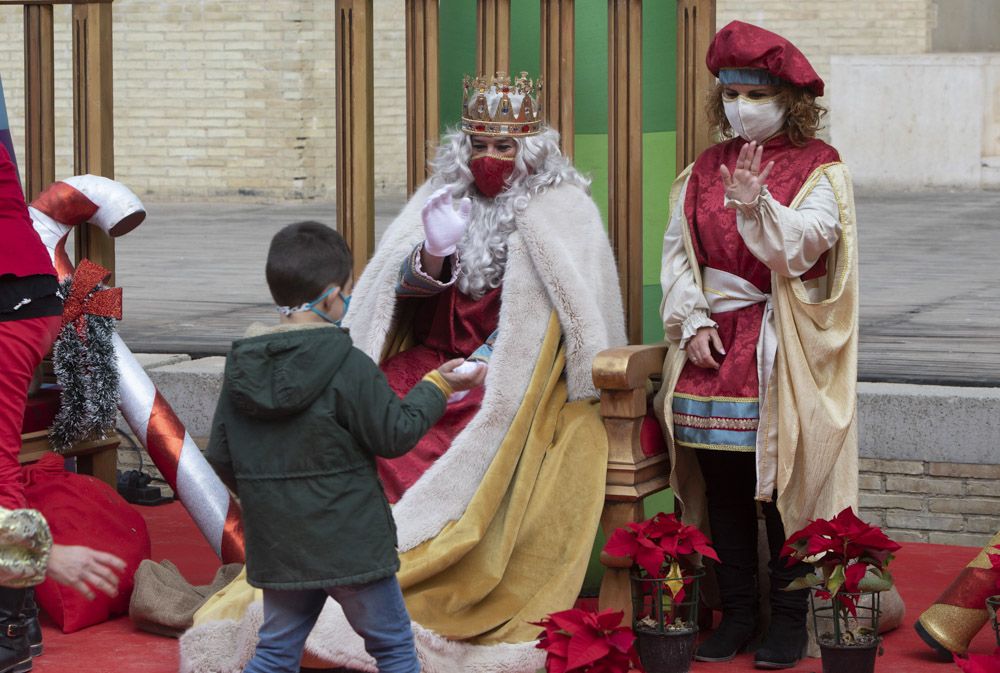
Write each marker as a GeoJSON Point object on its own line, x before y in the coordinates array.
{"type": "Point", "coordinates": [500, 256]}
{"type": "Point", "coordinates": [30, 319]}
{"type": "Point", "coordinates": [759, 309]}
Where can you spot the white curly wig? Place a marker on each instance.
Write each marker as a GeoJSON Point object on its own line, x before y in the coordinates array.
{"type": "Point", "coordinates": [538, 165]}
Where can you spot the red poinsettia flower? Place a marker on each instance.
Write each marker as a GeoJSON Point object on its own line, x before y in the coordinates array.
{"type": "Point", "coordinates": [979, 663]}
{"type": "Point", "coordinates": [588, 642]}
{"type": "Point", "coordinates": [658, 542]}
{"type": "Point", "coordinates": [840, 540]}
{"type": "Point", "coordinates": [850, 557]}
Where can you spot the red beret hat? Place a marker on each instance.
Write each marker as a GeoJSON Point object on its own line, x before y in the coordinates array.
{"type": "Point", "coordinates": [743, 46]}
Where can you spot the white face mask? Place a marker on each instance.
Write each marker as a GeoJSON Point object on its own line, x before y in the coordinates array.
{"type": "Point", "coordinates": [755, 119]}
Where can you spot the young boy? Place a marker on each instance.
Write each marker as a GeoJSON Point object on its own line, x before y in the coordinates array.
{"type": "Point", "coordinates": [300, 419]}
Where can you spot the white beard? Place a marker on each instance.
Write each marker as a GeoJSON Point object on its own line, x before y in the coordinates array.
{"type": "Point", "coordinates": [483, 250]}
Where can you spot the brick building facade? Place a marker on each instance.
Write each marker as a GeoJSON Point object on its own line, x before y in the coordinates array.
{"type": "Point", "coordinates": [221, 99]}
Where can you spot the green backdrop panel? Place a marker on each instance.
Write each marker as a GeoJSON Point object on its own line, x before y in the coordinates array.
{"type": "Point", "coordinates": [658, 502]}
{"type": "Point", "coordinates": [659, 66]}
{"type": "Point", "coordinates": [659, 157]}
{"type": "Point", "coordinates": [456, 56]}
{"type": "Point", "coordinates": [590, 99]}
{"type": "Point", "coordinates": [591, 158]}
{"type": "Point", "coordinates": [525, 37]}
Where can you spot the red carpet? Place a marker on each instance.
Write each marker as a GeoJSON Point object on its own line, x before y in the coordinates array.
{"type": "Point", "coordinates": [921, 571]}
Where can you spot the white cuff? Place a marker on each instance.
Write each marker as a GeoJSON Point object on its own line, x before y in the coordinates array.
{"type": "Point", "coordinates": [750, 206]}
{"type": "Point", "coordinates": [692, 324]}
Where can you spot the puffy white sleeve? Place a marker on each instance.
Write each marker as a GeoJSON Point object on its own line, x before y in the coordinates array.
{"type": "Point", "coordinates": [684, 308]}
{"type": "Point", "coordinates": [789, 241]}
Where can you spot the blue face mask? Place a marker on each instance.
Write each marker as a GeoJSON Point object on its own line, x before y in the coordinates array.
{"type": "Point", "coordinates": [311, 306]}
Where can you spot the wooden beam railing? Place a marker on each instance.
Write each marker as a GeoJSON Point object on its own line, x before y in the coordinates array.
{"type": "Point", "coordinates": [625, 153]}
{"type": "Point", "coordinates": [695, 30]}
{"type": "Point", "coordinates": [422, 118]}
{"type": "Point", "coordinates": [558, 33]}
{"type": "Point", "coordinates": [356, 129]}
{"type": "Point", "coordinates": [493, 37]}
{"type": "Point", "coordinates": [93, 111]}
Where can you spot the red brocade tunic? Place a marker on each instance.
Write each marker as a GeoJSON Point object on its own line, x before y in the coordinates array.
{"type": "Point", "coordinates": [718, 409]}
{"type": "Point", "coordinates": [447, 325]}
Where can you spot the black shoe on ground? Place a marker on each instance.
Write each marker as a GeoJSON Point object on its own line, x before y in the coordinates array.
{"type": "Point", "coordinates": [15, 655]}
{"type": "Point", "coordinates": [29, 613]}
{"type": "Point", "coordinates": [731, 638]}
{"type": "Point", "coordinates": [780, 655]}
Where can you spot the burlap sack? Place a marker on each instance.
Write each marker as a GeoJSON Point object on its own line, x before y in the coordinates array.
{"type": "Point", "coordinates": [163, 602]}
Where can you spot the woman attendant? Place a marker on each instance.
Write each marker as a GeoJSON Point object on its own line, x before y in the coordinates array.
{"type": "Point", "coordinates": [759, 306]}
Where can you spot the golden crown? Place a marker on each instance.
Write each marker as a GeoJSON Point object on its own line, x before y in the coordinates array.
{"type": "Point", "coordinates": [502, 107]}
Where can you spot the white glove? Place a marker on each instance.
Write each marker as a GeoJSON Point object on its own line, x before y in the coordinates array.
{"type": "Point", "coordinates": [464, 368]}
{"type": "Point", "coordinates": [443, 225]}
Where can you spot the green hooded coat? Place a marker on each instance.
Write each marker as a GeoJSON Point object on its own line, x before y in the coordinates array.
{"type": "Point", "coordinates": [300, 419]}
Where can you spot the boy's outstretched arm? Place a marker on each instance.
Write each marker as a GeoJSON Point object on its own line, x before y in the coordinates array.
{"type": "Point", "coordinates": [386, 425]}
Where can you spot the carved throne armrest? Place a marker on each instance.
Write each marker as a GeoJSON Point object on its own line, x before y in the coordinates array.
{"type": "Point", "coordinates": [622, 376]}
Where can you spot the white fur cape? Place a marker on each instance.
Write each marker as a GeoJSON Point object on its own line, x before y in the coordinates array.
{"type": "Point", "coordinates": [559, 259]}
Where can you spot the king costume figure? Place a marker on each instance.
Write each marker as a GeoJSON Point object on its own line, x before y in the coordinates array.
{"type": "Point", "coordinates": [502, 257]}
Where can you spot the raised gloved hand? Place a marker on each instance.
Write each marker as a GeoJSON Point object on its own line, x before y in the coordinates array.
{"type": "Point", "coordinates": [443, 225]}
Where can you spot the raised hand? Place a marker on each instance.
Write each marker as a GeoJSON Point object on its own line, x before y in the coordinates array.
{"type": "Point", "coordinates": [746, 180]}
{"type": "Point", "coordinates": [443, 225]}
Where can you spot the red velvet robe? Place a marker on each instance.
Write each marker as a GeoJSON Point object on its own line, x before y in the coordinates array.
{"type": "Point", "coordinates": [730, 393]}
{"type": "Point", "coordinates": [445, 326]}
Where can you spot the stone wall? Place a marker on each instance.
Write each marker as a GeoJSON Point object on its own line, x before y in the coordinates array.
{"type": "Point", "coordinates": [930, 461]}
{"type": "Point", "coordinates": [944, 503]}
{"type": "Point", "coordinates": [823, 29]}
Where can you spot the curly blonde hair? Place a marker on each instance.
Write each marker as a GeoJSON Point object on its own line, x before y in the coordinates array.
{"type": "Point", "coordinates": [804, 113]}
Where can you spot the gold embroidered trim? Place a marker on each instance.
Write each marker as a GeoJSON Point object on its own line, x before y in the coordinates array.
{"type": "Point", "coordinates": [717, 447]}
{"type": "Point", "coordinates": [715, 423]}
{"type": "Point", "coordinates": [698, 398]}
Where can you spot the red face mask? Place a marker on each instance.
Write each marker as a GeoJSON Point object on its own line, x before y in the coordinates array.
{"type": "Point", "coordinates": [491, 172]}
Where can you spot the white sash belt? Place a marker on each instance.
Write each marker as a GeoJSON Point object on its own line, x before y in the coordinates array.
{"type": "Point", "coordinates": [728, 292]}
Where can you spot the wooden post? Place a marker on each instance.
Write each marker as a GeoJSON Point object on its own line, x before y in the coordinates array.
{"type": "Point", "coordinates": [625, 153]}
{"type": "Point", "coordinates": [422, 118]}
{"type": "Point", "coordinates": [493, 37]}
{"type": "Point", "coordinates": [93, 116]}
{"type": "Point", "coordinates": [355, 129]}
{"type": "Point", "coordinates": [39, 100]}
{"type": "Point", "coordinates": [558, 68]}
{"type": "Point", "coordinates": [621, 375]}
{"type": "Point", "coordinates": [695, 30]}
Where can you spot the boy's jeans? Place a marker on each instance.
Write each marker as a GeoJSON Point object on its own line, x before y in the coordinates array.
{"type": "Point", "coordinates": [375, 611]}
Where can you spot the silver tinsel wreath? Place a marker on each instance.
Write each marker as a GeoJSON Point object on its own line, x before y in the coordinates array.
{"type": "Point", "coordinates": [87, 371]}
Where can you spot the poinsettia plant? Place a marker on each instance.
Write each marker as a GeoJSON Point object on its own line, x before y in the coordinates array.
{"type": "Point", "coordinates": [588, 642]}
{"type": "Point", "coordinates": [658, 545]}
{"type": "Point", "coordinates": [850, 558]}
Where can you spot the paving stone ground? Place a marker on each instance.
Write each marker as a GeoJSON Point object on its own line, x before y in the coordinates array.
{"type": "Point", "coordinates": [193, 279]}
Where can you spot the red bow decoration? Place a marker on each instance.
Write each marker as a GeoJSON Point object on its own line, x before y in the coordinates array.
{"type": "Point", "coordinates": [82, 299]}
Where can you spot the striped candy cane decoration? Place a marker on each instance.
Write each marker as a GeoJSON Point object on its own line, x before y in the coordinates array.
{"type": "Point", "coordinates": [115, 209]}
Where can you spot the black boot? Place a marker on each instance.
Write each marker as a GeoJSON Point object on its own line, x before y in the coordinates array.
{"type": "Point", "coordinates": [787, 637]}
{"type": "Point", "coordinates": [15, 655]}
{"type": "Point", "coordinates": [34, 630]}
{"type": "Point", "coordinates": [732, 515]}
{"type": "Point", "coordinates": [738, 590]}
